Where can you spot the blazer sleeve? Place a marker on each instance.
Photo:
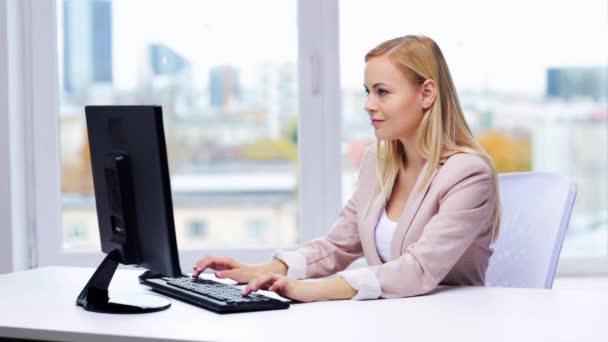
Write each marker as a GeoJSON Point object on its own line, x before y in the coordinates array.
{"type": "Point", "coordinates": [465, 211]}
{"type": "Point", "coordinates": [339, 247]}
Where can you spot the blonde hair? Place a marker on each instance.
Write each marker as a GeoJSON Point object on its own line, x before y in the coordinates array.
{"type": "Point", "coordinates": [443, 130]}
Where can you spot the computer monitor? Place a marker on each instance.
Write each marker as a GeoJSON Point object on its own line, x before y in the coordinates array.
{"type": "Point", "coordinates": [133, 201]}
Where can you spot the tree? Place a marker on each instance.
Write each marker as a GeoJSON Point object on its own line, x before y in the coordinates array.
{"type": "Point", "coordinates": [76, 175]}
{"type": "Point", "coordinates": [271, 149]}
{"type": "Point", "coordinates": [509, 153]}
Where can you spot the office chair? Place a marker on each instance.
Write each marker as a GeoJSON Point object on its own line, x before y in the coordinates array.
{"type": "Point", "coordinates": [536, 208]}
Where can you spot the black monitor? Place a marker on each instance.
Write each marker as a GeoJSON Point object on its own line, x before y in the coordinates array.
{"type": "Point", "coordinates": [133, 201]}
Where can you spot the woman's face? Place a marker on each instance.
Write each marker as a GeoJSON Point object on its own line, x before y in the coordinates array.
{"type": "Point", "coordinates": [394, 103]}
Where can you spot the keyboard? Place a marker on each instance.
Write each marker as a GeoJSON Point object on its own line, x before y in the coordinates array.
{"type": "Point", "coordinates": [212, 295]}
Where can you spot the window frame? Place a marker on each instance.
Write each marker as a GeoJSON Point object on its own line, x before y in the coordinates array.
{"type": "Point", "coordinates": [6, 224]}
{"type": "Point", "coordinates": [17, 89]}
{"type": "Point", "coordinates": [36, 108]}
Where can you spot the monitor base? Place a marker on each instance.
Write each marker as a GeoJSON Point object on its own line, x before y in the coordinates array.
{"type": "Point", "coordinates": [130, 303]}
{"type": "Point", "coordinates": [95, 297]}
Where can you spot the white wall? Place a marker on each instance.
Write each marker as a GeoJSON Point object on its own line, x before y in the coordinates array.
{"type": "Point", "coordinates": [14, 251]}
{"type": "Point", "coordinates": [6, 251]}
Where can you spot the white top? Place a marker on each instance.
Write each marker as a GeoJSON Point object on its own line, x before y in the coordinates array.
{"type": "Point", "coordinates": [384, 236]}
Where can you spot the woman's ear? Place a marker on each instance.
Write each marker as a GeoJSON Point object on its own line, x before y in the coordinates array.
{"type": "Point", "coordinates": [428, 93]}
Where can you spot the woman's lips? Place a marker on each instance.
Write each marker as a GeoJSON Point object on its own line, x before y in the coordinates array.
{"type": "Point", "coordinates": [376, 122]}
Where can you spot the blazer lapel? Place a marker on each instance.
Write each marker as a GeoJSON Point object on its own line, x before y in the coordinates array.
{"type": "Point", "coordinates": [375, 210]}
{"type": "Point", "coordinates": [409, 211]}
{"type": "Point", "coordinates": [371, 220]}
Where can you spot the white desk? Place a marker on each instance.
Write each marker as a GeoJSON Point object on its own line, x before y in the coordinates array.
{"type": "Point", "coordinates": [40, 304]}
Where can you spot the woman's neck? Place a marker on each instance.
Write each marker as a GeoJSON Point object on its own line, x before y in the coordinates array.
{"type": "Point", "coordinates": [415, 161]}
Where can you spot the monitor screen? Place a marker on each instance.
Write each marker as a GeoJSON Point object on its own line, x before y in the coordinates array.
{"type": "Point", "coordinates": [132, 186]}
{"type": "Point", "coordinates": [134, 206]}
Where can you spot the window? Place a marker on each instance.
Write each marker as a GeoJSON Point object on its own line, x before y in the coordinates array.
{"type": "Point", "coordinates": [535, 94]}
{"type": "Point", "coordinates": [77, 234]}
{"type": "Point", "coordinates": [257, 230]}
{"type": "Point", "coordinates": [226, 76]}
{"type": "Point", "coordinates": [197, 230]}
{"type": "Point", "coordinates": [517, 95]}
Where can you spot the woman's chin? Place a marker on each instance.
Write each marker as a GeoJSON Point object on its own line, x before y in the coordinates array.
{"type": "Point", "coordinates": [381, 136]}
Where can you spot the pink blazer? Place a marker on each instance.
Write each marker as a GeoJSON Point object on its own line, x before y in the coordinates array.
{"type": "Point", "coordinates": [442, 237]}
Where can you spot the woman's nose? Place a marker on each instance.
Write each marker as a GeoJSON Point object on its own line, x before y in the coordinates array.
{"type": "Point", "coordinates": [370, 105]}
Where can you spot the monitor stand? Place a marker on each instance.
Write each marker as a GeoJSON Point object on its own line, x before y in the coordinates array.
{"type": "Point", "coordinates": [94, 296]}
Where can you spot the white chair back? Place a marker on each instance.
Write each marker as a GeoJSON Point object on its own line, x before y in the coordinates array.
{"type": "Point", "coordinates": [536, 208]}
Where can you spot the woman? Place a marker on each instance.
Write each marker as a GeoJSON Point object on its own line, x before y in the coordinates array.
{"type": "Point", "coordinates": [425, 209]}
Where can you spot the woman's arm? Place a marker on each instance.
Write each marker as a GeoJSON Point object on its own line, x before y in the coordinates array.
{"type": "Point", "coordinates": [275, 266]}
{"type": "Point", "coordinates": [301, 290]}
{"type": "Point", "coordinates": [336, 288]}
{"type": "Point", "coordinates": [341, 245]}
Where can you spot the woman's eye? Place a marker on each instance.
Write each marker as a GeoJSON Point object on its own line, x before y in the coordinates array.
{"type": "Point", "coordinates": [382, 92]}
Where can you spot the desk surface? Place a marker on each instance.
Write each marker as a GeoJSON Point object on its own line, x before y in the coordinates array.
{"type": "Point", "coordinates": [40, 304]}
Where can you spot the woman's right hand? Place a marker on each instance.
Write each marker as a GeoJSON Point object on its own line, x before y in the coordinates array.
{"type": "Point", "coordinates": [227, 267]}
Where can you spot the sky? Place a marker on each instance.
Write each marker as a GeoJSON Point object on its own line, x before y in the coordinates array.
{"type": "Point", "coordinates": [207, 33]}
{"type": "Point", "coordinates": [502, 45]}
{"type": "Point", "coordinates": [499, 45]}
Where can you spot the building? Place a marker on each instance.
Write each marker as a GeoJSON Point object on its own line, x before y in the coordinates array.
{"type": "Point", "coordinates": [87, 40]}
{"type": "Point", "coordinates": [569, 83]}
{"type": "Point", "coordinates": [164, 60]}
{"type": "Point", "coordinates": [212, 210]}
{"type": "Point", "coordinates": [224, 86]}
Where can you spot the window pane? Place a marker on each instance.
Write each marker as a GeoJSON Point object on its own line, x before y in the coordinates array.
{"type": "Point", "coordinates": [534, 93]}
{"type": "Point", "coordinates": [225, 74]}
{"type": "Point", "coordinates": [197, 230]}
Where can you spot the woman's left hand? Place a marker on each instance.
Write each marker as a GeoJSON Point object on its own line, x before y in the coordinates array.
{"type": "Point", "coordinates": [302, 291]}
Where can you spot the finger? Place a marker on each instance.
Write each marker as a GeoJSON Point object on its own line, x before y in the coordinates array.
{"type": "Point", "coordinates": [221, 267]}
{"type": "Point", "coordinates": [202, 264]}
{"type": "Point", "coordinates": [250, 287]}
{"type": "Point", "coordinates": [256, 283]}
{"type": "Point", "coordinates": [226, 274]}
{"type": "Point", "coordinates": [266, 280]}
{"type": "Point", "coordinates": [225, 261]}
{"type": "Point", "coordinates": [215, 263]}
{"type": "Point", "coordinates": [279, 285]}
{"type": "Point", "coordinates": [246, 291]}
{"type": "Point", "coordinates": [195, 272]}
{"type": "Point", "coordinates": [266, 286]}
{"type": "Point", "coordinates": [204, 260]}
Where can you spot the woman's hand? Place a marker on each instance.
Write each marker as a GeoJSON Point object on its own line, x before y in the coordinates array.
{"type": "Point", "coordinates": [302, 291]}
{"type": "Point", "coordinates": [227, 267]}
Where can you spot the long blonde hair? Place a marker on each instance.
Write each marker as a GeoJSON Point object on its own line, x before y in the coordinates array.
{"type": "Point", "coordinates": [443, 130]}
